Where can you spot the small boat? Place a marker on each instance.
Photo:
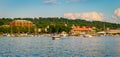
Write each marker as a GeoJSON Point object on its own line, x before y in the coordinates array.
{"type": "Point", "coordinates": [55, 37]}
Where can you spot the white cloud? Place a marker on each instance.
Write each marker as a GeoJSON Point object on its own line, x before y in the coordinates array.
{"type": "Point", "coordinates": [60, 1]}
{"type": "Point", "coordinates": [76, 0]}
{"type": "Point", "coordinates": [117, 12]}
{"type": "Point", "coordinates": [113, 19]}
{"type": "Point", "coordinates": [72, 16]}
{"type": "Point", "coordinates": [50, 2]}
{"type": "Point", "coordinates": [85, 16]}
{"type": "Point", "coordinates": [116, 16]}
{"type": "Point", "coordinates": [92, 16]}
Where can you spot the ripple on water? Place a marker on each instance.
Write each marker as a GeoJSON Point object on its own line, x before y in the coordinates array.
{"type": "Point", "coordinates": [65, 47]}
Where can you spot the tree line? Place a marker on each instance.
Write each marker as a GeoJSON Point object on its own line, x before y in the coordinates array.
{"type": "Point", "coordinates": [52, 25]}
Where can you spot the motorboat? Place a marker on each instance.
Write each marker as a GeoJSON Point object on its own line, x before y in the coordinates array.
{"type": "Point", "coordinates": [55, 37]}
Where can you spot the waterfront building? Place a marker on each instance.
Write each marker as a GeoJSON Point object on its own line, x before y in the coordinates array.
{"type": "Point", "coordinates": [114, 32]}
{"type": "Point", "coordinates": [77, 30]}
{"type": "Point", "coordinates": [110, 32]}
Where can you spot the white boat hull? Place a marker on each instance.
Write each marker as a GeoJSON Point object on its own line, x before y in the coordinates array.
{"type": "Point", "coordinates": [55, 37]}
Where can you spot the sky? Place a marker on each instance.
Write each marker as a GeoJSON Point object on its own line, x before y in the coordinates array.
{"type": "Point", "coordinates": [99, 10]}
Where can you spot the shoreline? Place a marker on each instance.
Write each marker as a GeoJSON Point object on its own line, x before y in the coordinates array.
{"type": "Point", "coordinates": [50, 35]}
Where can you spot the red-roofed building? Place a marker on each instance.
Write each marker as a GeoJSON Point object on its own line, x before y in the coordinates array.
{"type": "Point", "coordinates": [21, 23]}
{"type": "Point", "coordinates": [81, 30]}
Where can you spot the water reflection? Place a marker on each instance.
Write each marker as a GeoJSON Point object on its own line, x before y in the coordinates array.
{"type": "Point", "coordinates": [65, 47]}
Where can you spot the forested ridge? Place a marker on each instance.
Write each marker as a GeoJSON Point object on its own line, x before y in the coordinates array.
{"type": "Point", "coordinates": [61, 24]}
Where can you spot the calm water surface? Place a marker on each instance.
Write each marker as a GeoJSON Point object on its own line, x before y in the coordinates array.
{"type": "Point", "coordinates": [106, 46]}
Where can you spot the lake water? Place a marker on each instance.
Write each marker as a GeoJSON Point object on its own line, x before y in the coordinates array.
{"type": "Point", "coordinates": [105, 46]}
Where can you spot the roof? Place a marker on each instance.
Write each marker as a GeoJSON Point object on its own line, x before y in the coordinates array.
{"type": "Point", "coordinates": [81, 29]}
{"type": "Point", "coordinates": [21, 21]}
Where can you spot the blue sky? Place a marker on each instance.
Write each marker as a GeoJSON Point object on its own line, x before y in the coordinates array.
{"type": "Point", "coordinates": [104, 9]}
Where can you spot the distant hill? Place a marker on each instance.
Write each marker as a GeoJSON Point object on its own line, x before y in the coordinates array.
{"type": "Point", "coordinates": [44, 22]}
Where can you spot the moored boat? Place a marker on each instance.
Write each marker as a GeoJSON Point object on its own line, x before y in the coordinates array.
{"type": "Point", "coordinates": [55, 37]}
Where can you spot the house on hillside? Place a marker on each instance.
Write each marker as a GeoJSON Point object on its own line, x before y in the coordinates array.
{"type": "Point", "coordinates": [21, 23]}
{"type": "Point", "coordinates": [21, 27]}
